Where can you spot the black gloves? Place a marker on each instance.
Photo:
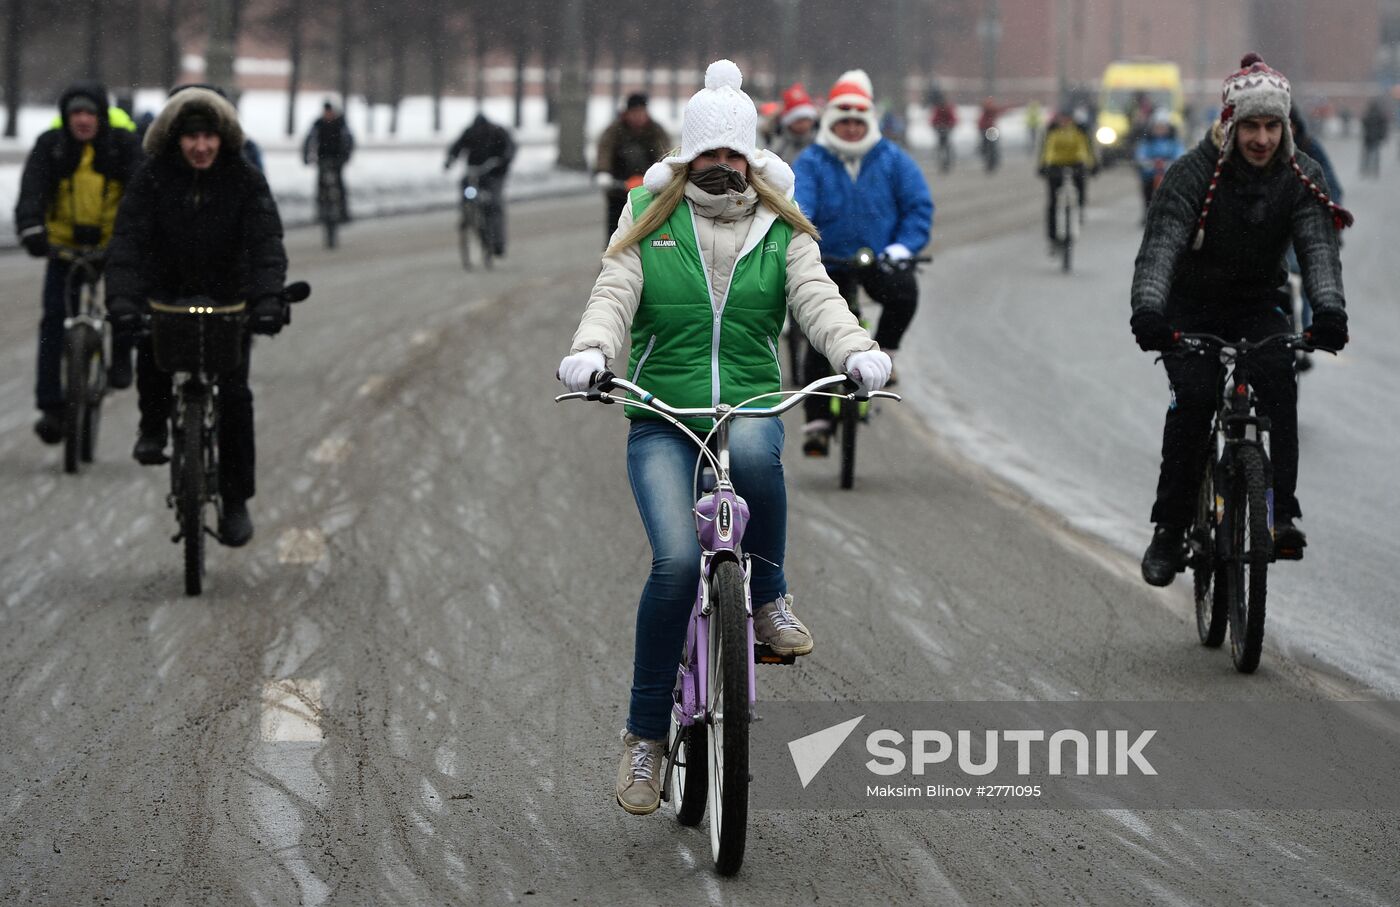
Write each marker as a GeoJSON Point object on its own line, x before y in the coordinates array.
{"type": "Point", "coordinates": [124, 315]}
{"type": "Point", "coordinates": [1329, 329]}
{"type": "Point", "coordinates": [1151, 330]}
{"type": "Point", "coordinates": [36, 244]}
{"type": "Point", "coordinates": [267, 315]}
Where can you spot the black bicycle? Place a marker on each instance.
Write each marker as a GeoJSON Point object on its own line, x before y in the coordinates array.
{"type": "Point", "coordinates": [477, 223]}
{"type": "Point", "coordinates": [85, 340]}
{"type": "Point", "coordinates": [330, 200]}
{"type": "Point", "coordinates": [1230, 543]}
{"type": "Point", "coordinates": [196, 340]}
{"type": "Point", "coordinates": [849, 411]}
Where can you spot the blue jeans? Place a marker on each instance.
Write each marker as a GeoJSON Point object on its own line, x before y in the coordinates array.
{"type": "Point", "coordinates": [661, 469]}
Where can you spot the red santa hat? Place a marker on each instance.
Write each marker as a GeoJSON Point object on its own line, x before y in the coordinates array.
{"type": "Point", "coordinates": [797, 104]}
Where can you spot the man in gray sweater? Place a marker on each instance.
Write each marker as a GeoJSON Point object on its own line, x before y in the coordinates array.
{"type": "Point", "coordinates": [1212, 261]}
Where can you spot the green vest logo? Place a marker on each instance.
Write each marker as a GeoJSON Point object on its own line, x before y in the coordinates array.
{"type": "Point", "coordinates": [770, 246]}
{"type": "Point", "coordinates": [664, 241]}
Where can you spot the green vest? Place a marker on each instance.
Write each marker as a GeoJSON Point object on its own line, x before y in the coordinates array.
{"type": "Point", "coordinates": [694, 351]}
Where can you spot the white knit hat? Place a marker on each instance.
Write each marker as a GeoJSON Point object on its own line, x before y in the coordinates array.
{"type": "Point", "coordinates": [720, 115]}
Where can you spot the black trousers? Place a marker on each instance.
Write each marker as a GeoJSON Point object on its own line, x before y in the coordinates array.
{"type": "Point", "coordinates": [237, 459]}
{"type": "Point", "coordinates": [897, 292]}
{"type": "Point", "coordinates": [1053, 179]}
{"type": "Point", "coordinates": [1195, 386]}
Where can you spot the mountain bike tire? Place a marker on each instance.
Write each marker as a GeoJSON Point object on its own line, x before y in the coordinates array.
{"type": "Point", "coordinates": [688, 771]}
{"type": "Point", "coordinates": [83, 348]}
{"type": "Point", "coordinates": [466, 227]}
{"type": "Point", "coordinates": [189, 464]}
{"type": "Point", "coordinates": [728, 767]}
{"type": "Point", "coordinates": [850, 415]}
{"type": "Point", "coordinates": [1247, 575]}
{"type": "Point", "coordinates": [1212, 607]}
{"type": "Point", "coordinates": [330, 226]}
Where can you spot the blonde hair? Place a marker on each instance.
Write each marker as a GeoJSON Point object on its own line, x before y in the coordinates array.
{"type": "Point", "coordinates": [664, 204]}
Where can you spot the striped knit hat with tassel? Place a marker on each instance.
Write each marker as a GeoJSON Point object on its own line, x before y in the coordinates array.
{"type": "Point", "coordinates": [1258, 91]}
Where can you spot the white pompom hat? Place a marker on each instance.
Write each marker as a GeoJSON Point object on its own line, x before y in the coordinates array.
{"type": "Point", "coordinates": [720, 115]}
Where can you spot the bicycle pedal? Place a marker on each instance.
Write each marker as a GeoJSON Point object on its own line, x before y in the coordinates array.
{"type": "Point", "coordinates": [764, 655]}
{"type": "Point", "coordinates": [1288, 554]}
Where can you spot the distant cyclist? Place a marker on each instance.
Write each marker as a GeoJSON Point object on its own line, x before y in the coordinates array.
{"type": "Point", "coordinates": [862, 191]}
{"type": "Point", "coordinates": [708, 256]}
{"type": "Point", "coordinates": [626, 149]}
{"type": "Point", "coordinates": [72, 183]}
{"type": "Point", "coordinates": [1211, 261]}
{"type": "Point", "coordinates": [1065, 146]}
{"type": "Point", "coordinates": [944, 120]}
{"type": "Point", "coordinates": [797, 123]}
{"type": "Point", "coordinates": [199, 220]}
{"type": "Point", "coordinates": [1155, 154]}
{"type": "Point", "coordinates": [329, 145]}
{"type": "Point", "coordinates": [479, 143]}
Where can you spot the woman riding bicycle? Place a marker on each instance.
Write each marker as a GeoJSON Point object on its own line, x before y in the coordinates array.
{"type": "Point", "coordinates": [1211, 261]}
{"type": "Point", "coordinates": [708, 255]}
{"type": "Point", "coordinates": [199, 220]}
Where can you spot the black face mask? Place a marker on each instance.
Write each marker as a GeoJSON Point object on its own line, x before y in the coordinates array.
{"type": "Point", "coordinates": [719, 179]}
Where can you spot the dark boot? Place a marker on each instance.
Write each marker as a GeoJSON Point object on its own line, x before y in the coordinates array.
{"type": "Point", "coordinates": [119, 372]}
{"type": "Point", "coordinates": [1289, 541]}
{"type": "Point", "coordinates": [49, 428]}
{"type": "Point", "coordinates": [150, 447]}
{"type": "Point", "coordinates": [235, 526]}
{"type": "Point", "coordinates": [1165, 556]}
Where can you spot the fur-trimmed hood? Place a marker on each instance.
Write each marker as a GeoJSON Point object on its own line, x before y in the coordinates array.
{"type": "Point", "coordinates": [187, 100]}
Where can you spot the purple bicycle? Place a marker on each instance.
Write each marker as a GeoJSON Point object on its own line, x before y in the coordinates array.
{"type": "Point", "coordinates": [707, 758]}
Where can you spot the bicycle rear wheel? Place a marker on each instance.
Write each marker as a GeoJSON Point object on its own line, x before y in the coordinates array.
{"type": "Point", "coordinates": [730, 656]}
{"type": "Point", "coordinates": [1252, 548]}
{"type": "Point", "coordinates": [1211, 604]}
{"type": "Point", "coordinates": [688, 770]}
{"type": "Point", "coordinates": [1067, 215]}
{"type": "Point", "coordinates": [850, 415]}
{"type": "Point", "coordinates": [189, 468]}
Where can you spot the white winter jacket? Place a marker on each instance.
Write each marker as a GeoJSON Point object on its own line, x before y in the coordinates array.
{"type": "Point", "coordinates": [722, 224]}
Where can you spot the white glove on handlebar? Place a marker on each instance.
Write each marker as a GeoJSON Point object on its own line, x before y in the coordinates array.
{"type": "Point", "coordinates": [897, 252]}
{"type": "Point", "coordinates": [870, 367]}
{"type": "Point", "coordinates": [576, 369]}
{"type": "Point", "coordinates": [603, 180]}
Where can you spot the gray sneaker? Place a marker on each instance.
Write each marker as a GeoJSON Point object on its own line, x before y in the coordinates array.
{"type": "Point", "coordinates": [776, 625]}
{"type": "Point", "coordinates": [639, 774]}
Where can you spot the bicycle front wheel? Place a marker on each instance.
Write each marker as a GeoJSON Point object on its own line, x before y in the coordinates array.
{"type": "Point", "coordinates": [730, 657]}
{"type": "Point", "coordinates": [82, 378]}
{"type": "Point", "coordinates": [850, 415]}
{"type": "Point", "coordinates": [466, 229]}
{"type": "Point", "coordinates": [1211, 603]}
{"type": "Point", "coordinates": [1251, 550]}
{"type": "Point", "coordinates": [189, 468]}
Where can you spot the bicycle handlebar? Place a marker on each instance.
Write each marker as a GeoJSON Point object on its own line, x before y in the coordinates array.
{"type": "Point", "coordinates": [866, 258]}
{"type": "Point", "coordinates": [1195, 342]}
{"type": "Point", "coordinates": [603, 383]}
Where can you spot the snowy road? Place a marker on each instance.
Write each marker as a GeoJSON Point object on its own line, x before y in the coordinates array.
{"type": "Point", "coordinates": [407, 689]}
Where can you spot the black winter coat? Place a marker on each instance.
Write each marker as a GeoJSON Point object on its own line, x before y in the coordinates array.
{"type": "Point", "coordinates": [1252, 220]}
{"type": "Point", "coordinates": [480, 142]}
{"type": "Point", "coordinates": [56, 154]}
{"type": "Point", "coordinates": [183, 232]}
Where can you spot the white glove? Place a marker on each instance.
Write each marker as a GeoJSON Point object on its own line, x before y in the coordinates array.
{"type": "Point", "coordinates": [603, 180]}
{"type": "Point", "coordinates": [870, 367]}
{"type": "Point", "coordinates": [897, 252]}
{"type": "Point", "coordinates": [576, 369]}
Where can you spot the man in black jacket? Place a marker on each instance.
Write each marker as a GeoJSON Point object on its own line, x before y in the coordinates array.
{"type": "Point", "coordinates": [72, 183]}
{"type": "Point", "coordinates": [199, 220]}
{"type": "Point", "coordinates": [482, 142]}
{"type": "Point", "coordinates": [329, 144]}
{"type": "Point", "coordinates": [1212, 261]}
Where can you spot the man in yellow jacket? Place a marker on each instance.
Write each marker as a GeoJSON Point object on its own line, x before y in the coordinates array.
{"type": "Point", "coordinates": [1066, 145]}
{"type": "Point", "coordinates": [69, 192]}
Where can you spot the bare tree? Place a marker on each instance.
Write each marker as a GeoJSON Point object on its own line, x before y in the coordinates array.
{"type": "Point", "coordinates": [573, 98]}
{"type": "Point", "coordinates": [14, 26]}
{"type": "Point", "coordinates": [170, 64]}
{"type": "Point", "coordinates": [293, 15]}
{"type": "Point", "coordinates": [437, 64]}
{"type": "Point", "coordinates": [345, 41]}
{"type": "Point", "coordinates": [223, 39]}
